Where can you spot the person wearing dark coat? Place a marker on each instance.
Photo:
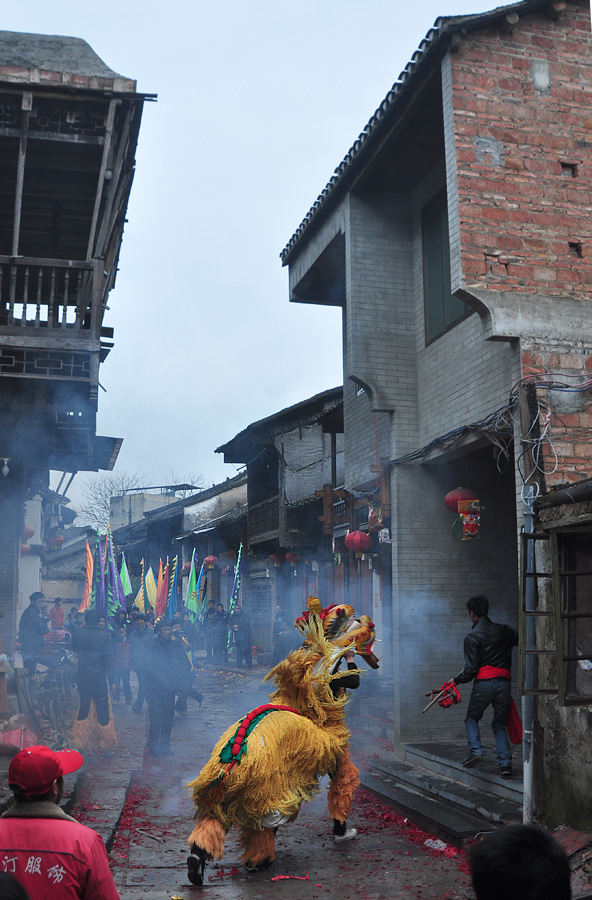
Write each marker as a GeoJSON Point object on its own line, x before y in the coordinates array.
{"type": "Point", "coordinates": [220, 629]}
{"type": "Point", "coordinates": [208, 630]}
{"type": "Point", "coordinates": [166, 677]}
{"type": "Point", "coordinates": [94, 728]}
{"type": "Point", "coordinates": [32, 627]}
{"type": "Point", "coordinates": [240, 625]}
{"type": "Point", "coordinates": [141, 640]}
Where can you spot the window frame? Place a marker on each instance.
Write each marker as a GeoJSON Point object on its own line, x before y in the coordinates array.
{"type": "Point", "coordinates": [446, 299]}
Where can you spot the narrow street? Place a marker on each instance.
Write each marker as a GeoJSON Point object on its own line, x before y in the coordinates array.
{"type": "Point", "coordinates": [147, 800]}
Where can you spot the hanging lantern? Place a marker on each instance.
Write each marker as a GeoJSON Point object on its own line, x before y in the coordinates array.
{"type": "Point", "coordinates": [55, 540]}
{"type": "Point", "coordinates": [28, 532]}
{"type": "Point", "coordinates": [186, 566]}
{"type": "Point", "coordinates": [276, 558]}
{"type": "Point", "coordinates": [358, 541]}
{"type": "Point", "coordinates": [211, 561]}
{"type": "Point", "coordinates": [25, 548]}
{"type": "Point", "coordinates": [292, 558]}
{"type": "Point", "coordinates": [451, 500]}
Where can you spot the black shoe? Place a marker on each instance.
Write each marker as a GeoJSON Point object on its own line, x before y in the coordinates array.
{"type": "Point", "coordinates": [196, 865]}
{"type": "Point", "coordinates": [473, 760]}
{"type": "Point", "coordinates": [506, 771]}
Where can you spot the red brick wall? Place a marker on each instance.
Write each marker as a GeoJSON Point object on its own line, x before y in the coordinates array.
{"type": "Point", "coordinates": [519, 213]}
{"type": "Point", "coordinates": [566, 454]}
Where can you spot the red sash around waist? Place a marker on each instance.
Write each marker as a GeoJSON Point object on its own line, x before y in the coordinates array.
{"type": "Point", "coordinates": [492, 672]}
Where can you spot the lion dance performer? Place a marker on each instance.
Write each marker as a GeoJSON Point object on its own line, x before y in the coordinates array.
{"type": "Point", "coordinates": [269, 762]}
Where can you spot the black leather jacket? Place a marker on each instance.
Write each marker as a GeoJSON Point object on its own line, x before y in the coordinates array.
{"type": "Point", "coordinates": [487, 644]}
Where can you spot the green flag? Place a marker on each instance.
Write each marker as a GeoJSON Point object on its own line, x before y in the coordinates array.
{"type": "Point", "coordinates": [125, 579]}
{"type": "Point", "coordinates": [191, 599]}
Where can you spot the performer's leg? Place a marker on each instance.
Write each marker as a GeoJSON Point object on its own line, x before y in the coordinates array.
{"type": "Point", "coordinates": [501, 707]}
{"type": "Point", "coordinates": [341, 792]}
{"type": "Point", "coordinates": [206, 841]}
{"type": "Point", "coordinates": [258, 848]}
{"type": "Point", "coordinates": [480, 699]}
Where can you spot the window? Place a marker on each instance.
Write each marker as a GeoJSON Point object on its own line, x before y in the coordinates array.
{"type": "Point", "coordinates": [442, 309]}
{"type": "Point", "coordinates": [574, 557]}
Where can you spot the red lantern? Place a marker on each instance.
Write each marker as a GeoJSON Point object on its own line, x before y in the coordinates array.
{"type": "Point", "coordinates": [276, 557]}
{"type": "Point", "coordinates": [452, 499]}
{"type": "Point", "coordinates": [292, 558]}
{"type": "Point", "coordinates": [25, 548]}
{"type": "Point", "coordinates": [29, 531]}
{"type": "Point", "coordinates": [55, 541]}
{"type": "Point", "coordinates": [186, 566]}
{"type": "Point", "coordinates": [211, 561]}
{"type": "Point", "coordinates": [358, 541]}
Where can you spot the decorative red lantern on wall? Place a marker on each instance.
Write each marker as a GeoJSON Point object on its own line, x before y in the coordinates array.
{"type": "Point", "coordinates": [186, 566]}
{"type": "Point", "coordinates": [55, 540]}
{"type": "Point", "coordinates": [25, 548]}
{"type": "Point", "coordinates": [276, 557]}
{"type": "Point", "coordinates": [28, 531]}
{"type": "Point", "coordinates": [358, 541]}
{"type": "Point", "coordinates": [292, 558]}
{"type": "Point", "coordinates": [211, 561]}
{"type": "Point", "coordinates": [452, 499]}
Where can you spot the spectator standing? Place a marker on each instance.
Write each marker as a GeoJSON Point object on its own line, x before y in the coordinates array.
{"type": "Point", "coordinates": [52, 854]}
{"type": "Point", "coordinates": [208, 630]}
{"type": "Point", "coordinates": [240, 625]}
{"type": "Point", "coordinates": [141, 641]}
{"type": "Point", "coordinates": [122, 664]}
{"type": "Point", "coordinates": [220, 630]}
{"type": "Point", "coordinates": [70, 618]}
{"type": "Point", "coordinates": [189, 630]}
{"type": "Point", "coordinates": [166, 677]}
{"type": "Point", "coordinates": [94, 729]}
{"type": "Point", "coordinates": [32, 627]}
{"type": "Point", "coordinates": [56, 615]}
{"type": "Point", "coordinates": [277, 627]}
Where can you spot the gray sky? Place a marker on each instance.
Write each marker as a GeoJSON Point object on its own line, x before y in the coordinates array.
{"type": "Point", "coordinates": [257, 104]}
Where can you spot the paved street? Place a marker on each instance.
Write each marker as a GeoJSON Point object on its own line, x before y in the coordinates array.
{"type": "Point", "coordinates": [143, 810]}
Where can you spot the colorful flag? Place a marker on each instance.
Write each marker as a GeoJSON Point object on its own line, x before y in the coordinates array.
{"type": "Point", "coordinates": [191, 600]}
{"type": "Point", "coordinates": [124, 576]}
{"type": "Point", "coordinates": [235, 593]}
{"type": "Point", "coordinates": [172, 598]}
{"type": "Point", "coordinates": [114, 595]}
{"type": "Point", "coordinates": [85, 602]}
{"type": "Point", "coordinates": [97, 594]}
{"type": "Point", "coordinates": [140, 600]}
{"type": "Point", "coordinates": [149, 590]}
{"type": "Point", "coordinates": [162, 592]}
{"type": "Point", "coordinates": [202, 594]}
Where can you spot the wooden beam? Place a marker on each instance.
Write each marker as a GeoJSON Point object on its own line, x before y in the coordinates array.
{"type": "Point", "coordinates": [106, 225]}
{"type": "Point", "coordinates": [101, 180]}
{"type": "Point", "coordinates": [26, 104]}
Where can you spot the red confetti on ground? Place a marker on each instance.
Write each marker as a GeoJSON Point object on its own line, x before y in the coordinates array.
{"type": "Point", "coordinates": [378, 816]}
{"type": "Point", "coordinates": [295, 877]}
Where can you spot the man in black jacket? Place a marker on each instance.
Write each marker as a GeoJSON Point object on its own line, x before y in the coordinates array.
{"type": "Point", "coordinates": [488, 661]}
{"type": "Point", "coordinates": [166, 677]}
{"type": "Point", "coordinates": [32, 627]}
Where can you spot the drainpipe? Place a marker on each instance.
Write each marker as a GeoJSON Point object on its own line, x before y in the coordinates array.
{"type": "Point", "coordinates": [528, 699]}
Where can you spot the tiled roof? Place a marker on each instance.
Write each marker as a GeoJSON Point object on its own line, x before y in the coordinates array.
{"type": "Point", "coordinates": [444, 27]}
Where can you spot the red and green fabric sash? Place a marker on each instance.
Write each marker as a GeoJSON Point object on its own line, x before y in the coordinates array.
{"type": "Point", "coordinates": [237, 745]}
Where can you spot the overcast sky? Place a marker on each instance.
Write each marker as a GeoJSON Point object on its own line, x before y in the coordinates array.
{"type": "Point", "coordinates": [257, 104]}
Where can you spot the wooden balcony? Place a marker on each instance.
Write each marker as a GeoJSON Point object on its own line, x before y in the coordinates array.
{"type": "Point", "coordinates": [264, 521]}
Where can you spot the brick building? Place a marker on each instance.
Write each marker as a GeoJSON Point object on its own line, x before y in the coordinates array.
{"type": "Point", "coordinates": [456, 236]}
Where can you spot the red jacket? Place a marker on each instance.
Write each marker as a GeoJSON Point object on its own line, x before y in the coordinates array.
{"type": "Point", "coordinates": [53, 855]}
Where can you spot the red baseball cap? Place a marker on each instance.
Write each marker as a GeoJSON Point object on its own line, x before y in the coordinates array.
{"type": "Point", "coordinates": [35, 769]}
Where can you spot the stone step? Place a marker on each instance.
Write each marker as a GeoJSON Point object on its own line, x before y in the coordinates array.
{"type": "Point", "coordinates": [450, 824]}
{"type": "Point", "coordinates": [469, 798]}
{"type": "Point", "coordinates": [446, 759]}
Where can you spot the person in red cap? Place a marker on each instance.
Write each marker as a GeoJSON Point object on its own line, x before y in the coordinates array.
{"type": "Point", "coordinates": [47, 851]}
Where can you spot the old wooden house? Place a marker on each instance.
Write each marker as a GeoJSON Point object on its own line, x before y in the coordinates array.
{"type": "Point", "coordinates": [68, 133]}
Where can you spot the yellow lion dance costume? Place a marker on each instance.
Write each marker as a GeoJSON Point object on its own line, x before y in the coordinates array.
{"type": "Point", "coordinates": [268, 763]}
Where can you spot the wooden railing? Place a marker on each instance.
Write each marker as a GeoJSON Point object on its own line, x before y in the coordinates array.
{"type": "Point", "coordinates": [48, 294]}
{"type": "Point", "coordinates": [264, 519]}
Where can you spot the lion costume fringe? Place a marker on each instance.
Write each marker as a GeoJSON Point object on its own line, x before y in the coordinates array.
{"type": "Point", "coordinates": [268, 763]}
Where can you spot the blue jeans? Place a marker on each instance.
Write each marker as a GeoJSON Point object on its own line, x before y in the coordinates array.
{"type": "Point", "coordinates": [497, 693]}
